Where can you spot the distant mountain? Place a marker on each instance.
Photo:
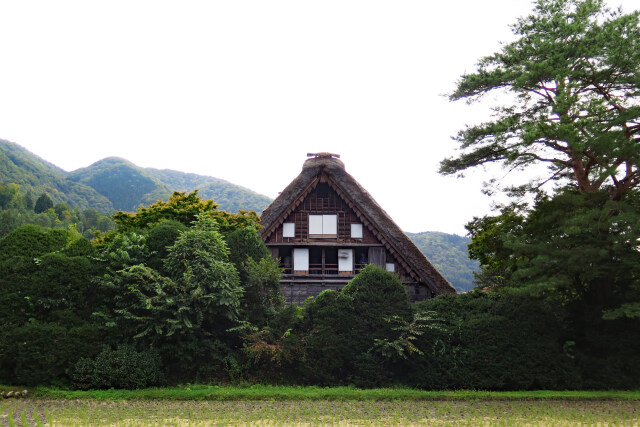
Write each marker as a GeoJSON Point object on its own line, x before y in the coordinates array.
{"type": "Point", "coordinates": [126, 185]}
{"type": "Point", "coordinates": [448, 253]}
{"type": "Point", "coordinates": [20, 166]}
{"type": "Point", "coordinates": [117, 184]}
{"type": "Point", "coordinates": [230, 197]}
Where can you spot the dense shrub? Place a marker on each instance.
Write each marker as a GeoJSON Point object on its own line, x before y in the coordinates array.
{"type": "Point", "coordinates": [80, 247]}
{"type": "Point", "coordinates": [342, 328]}
{"type": "Point", "coordinates": [159, 238]}
{"type": "Point", "coordinates": [43, 288]}
{"type": "Point", "coordinates": [245, 243]}
{"type": "Point", "coordinates": [329, 322]}
{"type": "Point", "coordinates": [259, 276]}
{"type": "Point", "coordinates": [38, 353]}
{"type": "Point", "coordinates": [606, 351]}
{"type": "Point", "coordinates": [377, 295]}
{"type": "Point", "coordinates": [495, 341]}
{"type": "Point", "coordinates": [123, 368]}
{"type": "Point", "coordinates": [33, 241]}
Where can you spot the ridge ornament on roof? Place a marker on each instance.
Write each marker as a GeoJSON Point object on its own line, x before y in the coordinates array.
{"type": "Point", "coordinates": [324, 226]}
{"type": "Point", "coordinates": [324, 155]}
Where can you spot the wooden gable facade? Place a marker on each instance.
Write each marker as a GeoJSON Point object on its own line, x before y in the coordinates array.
{"type": "Point", "coordinates": [324, 227]}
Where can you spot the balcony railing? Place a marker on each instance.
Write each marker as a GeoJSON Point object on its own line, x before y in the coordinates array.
{"type": "Point", "coordinates": [315, 269]}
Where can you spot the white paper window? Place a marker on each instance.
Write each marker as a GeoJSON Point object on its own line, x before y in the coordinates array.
{"type": "Point", "coordinates": [301, 259]}
{"type": "Point", "coordinates": [356, 231]}
{"type": "Point", "coordinates": [315, 224]}
{"type": "Point", "coordinates": [289, 229]}
{"type": "Point", "coordinates": [391, 267]}
{"type": "Point", "coordinates": [330, 224]}
{"type": "Point", "coordinates": [323, 225]}
{"type": "Point", "coordinates": [345, 260]}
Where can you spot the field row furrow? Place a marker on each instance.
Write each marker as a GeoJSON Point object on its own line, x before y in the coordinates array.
{"type": "Point", "coordinates": [35, 412]}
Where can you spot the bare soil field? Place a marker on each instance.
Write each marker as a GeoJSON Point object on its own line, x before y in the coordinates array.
{"type": "Point", "coordinates": [204, 413]}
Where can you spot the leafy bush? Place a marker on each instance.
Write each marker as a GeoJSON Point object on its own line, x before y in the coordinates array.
{"type": "Point", "coordinates": [33, 241]}
{"type": "Point", "coordinates": [344, 326]}
{"type": "Point", "coordinates": [159, 238]}
{"type": "Point", "coordinates": [46, 289]}
{"type": "Point", "coordinates": [80, 247]}
{"type": "Point", "coordinates": [329, 321]}
{"type": "Point", "coordinates": [494, 341]}
{"type": "Point", "coordinates": [39, 353]}
{"type": "Point", "coordinates": [124, 368]}
{"type": "Point", "coordinates": [259, 275]}
{"type": "Point", "coordinates": [245, 243]}
{"type": "Point", "coordinates": [377, 294]}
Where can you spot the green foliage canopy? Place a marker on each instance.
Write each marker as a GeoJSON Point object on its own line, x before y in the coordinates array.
{"type": "Point", "coordinates": [203, 286]}
{"type": "Point", "coordinates": [571, 98]}
{"type": "Point", "coordinates": [577, 247]}
{"type": "Point", "coordinates": [43, 203]}
{"type": "Point", "coordinates": [345, 326]}
{"type": "Point", "coordinates": [259, 275]}
{"type": "Point", "coordinates": [45, 304]}
{"type": "Point", "coordinates": [185, 208]}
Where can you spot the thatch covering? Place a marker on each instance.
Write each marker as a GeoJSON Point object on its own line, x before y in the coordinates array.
{"type": "Point", "coordinates": [374, 217]}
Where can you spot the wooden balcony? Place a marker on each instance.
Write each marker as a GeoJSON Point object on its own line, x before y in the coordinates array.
{"type": "Point", "coordinates": [318, 270]}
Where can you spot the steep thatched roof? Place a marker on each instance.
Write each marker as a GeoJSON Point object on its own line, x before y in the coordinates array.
{"type": "Point", "coordinates": [372, 215]}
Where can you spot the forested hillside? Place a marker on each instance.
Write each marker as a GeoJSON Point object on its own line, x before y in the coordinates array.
{"type": "Point", "coordinates": [229, 196]}
{"type": "Point", "coordinates": [128, 186]}
{"type": "Point", "coordinates": [123, 183]}
{"type": "Point", "coordinates": [448, 253]}
{"type": "Point", "coordinates": [116, 184]}
{"type": "Point", "coordinates": [35, 175]}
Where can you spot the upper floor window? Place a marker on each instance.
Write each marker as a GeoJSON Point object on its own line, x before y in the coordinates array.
{"type": "Point", "coordinates": [289, 229]}
{"type": "Point", "coordinates": [323, 225]}
{"type": "Point", "coordinates": [356, 231]}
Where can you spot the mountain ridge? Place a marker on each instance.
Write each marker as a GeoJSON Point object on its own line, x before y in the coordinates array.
{"type": "Point", "coordinates": [448, 253]}
{"type": "Point", "coordinates": [115, 183]}
{"type": "Point", "coordinates": [34, 174]}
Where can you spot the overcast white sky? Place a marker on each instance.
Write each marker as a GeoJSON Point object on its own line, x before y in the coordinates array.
{"type": "Point", "coordinates": [242, 90]}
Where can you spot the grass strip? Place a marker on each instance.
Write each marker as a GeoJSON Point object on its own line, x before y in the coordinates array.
{"type": "Point", "coordinates": [289, 393]}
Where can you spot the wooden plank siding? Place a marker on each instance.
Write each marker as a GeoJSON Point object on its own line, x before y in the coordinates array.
{"type": "Point", "coordinates": [314, 205]}
{"type": "Point", "coordinates": [332, 203]}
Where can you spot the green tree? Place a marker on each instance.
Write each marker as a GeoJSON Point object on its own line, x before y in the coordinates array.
{"type": "Point", "coordinates": [571, 99]}
{"type": "Point", "coordinates": [159, 238]}
{"type": "Point", "coordinates": [488, 246]}
{"type": "Point", "coordinates": [184, 208]}
{"type": "Point", "coordinates": [43, 203]}
{"type": "Point", "coordinates": [28, 201]}
{"type": "Point", "coordinates": [45, 304]}
{"type": "Point", "coordinates": [345, 326]}
{"type": "Point", "coordinates": [581, 248]}
{"type": "Point", "coordinates": [199, 264]}
{"type": "Point", "coordinates": [184, 315]}
{"type": "Point", "coordinates": [8, 193]}
{"type": "Point", "coordinates": [259, 275]}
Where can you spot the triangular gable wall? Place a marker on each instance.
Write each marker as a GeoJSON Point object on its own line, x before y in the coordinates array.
{"type": "Point", "coordinates": [376, 220]}
{"type": "Point", "coordinates": [347, 212]}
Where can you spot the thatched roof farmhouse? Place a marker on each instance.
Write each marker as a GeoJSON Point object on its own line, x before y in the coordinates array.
{"type": "Point", "coordinates": [324, 227]}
